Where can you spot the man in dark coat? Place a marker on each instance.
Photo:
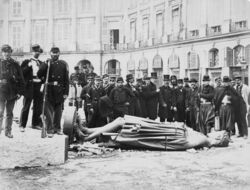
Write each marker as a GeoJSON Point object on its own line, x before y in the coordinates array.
{"type": "Point", "coordinates": [192, 104]}
{"type": "Point", "coordinates": [151, 95]}
{"type": "Point", "coordinates": [95, 93]}
{"type": "Point", "coordinates": [120, 96]}
{"type": "Point", "coordinates": [11, 87]}
{"type": "Point", "coordinates": [187, 90]}
{"type": "Point", "coordinates": [206, 113]}
{"type": "Point", "coordinates": [179, 95]}
{"type": "Point", "coordinates": [57, 91]}
{"type": "Point", "coordinates": [225, 102]}
{"type": "Point", "coordinates": [78, 78]}
{"type": "Point", "coordinates": [165, 101]}
{"type": "Point", "coordinates": [111, 85]}
{"type": "Point", "coordinates": [85, 96]}
{"type": "Point", "coordinates": [32, 90]}
{"type": "Point", "coordinates": [142, 105]}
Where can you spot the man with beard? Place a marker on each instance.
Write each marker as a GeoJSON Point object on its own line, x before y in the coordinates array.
{"type": "Point", "coordinates": [32, 90]}
{"type": "Point", "coordinates": [11, 87]}
{"type": "Point", "coordinates": [206, 113]}
{"type": "Point", "coordinates": [120, 96]}
{"type": "Point", "coordinates": [225, 101]}
{"type": "Point", "coordinates": [57, 91]}
{"type": "Point", "coordinates": [95, 93]}
{"type": "Point", "coordinates": [180, 101]}
{"type": "Point", "coordinates": [165, 101]}
{"type": "Point", "coordinates": [151, 96]}
{"type": "Point", "coordinates": [241, 112]}
{"type": "Point", "coordinates": [192, 104]}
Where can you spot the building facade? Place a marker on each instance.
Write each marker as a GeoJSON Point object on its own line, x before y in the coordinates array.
{"type": "Point", "coordinates": [181, 37]}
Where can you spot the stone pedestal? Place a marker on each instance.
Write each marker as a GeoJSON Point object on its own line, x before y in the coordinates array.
{"type": "Point", "coordinates": [28, 149]}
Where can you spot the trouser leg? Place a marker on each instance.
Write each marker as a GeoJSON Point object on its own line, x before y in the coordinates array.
{"type": "Point", "coordinates": [57, 116]}
{"type": "Point", "coordinates": [9, 115]}
{"type": "Point", "coordinates": [37, 105]}
{"type": "Point", "coordinates": [25, 111]}
{"type": "Point", "coordinates": [48, 111]}
{"type": "Point", "coordinates": [2, 108]}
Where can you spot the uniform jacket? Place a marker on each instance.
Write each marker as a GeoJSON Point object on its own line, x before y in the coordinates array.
{"type": "Point", "coordinates": [28, 76]}
{"type": "Point", "coordinates": [11, 72]}
{"type": "Point", "coordinates": [58, 73]}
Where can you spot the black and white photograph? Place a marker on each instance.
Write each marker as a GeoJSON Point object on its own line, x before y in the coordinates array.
{"type": "Point", "coordinates": [124, 94]}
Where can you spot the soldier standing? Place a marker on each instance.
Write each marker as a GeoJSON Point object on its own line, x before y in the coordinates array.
{"type": "Point", "coordinates": [11, 86]}
{"type": "Point", "coordinates": [57, 91]}
{"type": "Point", "coordinates": [95, 93]}
{"type": "Point", "coordinates": [165, 101]}
{"type": "Point", "coordinates": [151, 96]}
{"type": "Point", "coordinates": [120, 96]}
{"type": "Point", "coordinates": [33, 92]}
{"type": "Point", "coordinates": [206, 112]}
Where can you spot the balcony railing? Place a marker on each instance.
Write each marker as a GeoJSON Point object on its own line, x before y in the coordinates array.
{"type": "Point", "coordinates": [213, 31]}
{"type": "Point", "coordinates": [239, 26]}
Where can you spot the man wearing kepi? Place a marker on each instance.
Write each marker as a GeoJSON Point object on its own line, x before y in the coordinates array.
{"type": "Point", "coordinates": [206, 112]}
{"type": "Point", "coordinates": [225, 101]}
{"type": "Point", "coordinates": [11, 86]}
{"type": "Point", "coordinates": [57, 92]}
{"type": "Point", "coordinates": [33, 84]}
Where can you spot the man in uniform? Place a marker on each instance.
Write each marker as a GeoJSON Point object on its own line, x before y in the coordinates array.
{"type": "Point", "coordinates": [120, 96]}
{"type": "Point", "coordinates": [225, 101]}
{"type": "Point", "coordinates": [85, 96]}
{"type": "Point", "coordinates": [57, 91]}
{"type": "Point", "coordinates": [241, 112]}
{"type": "Point", "coordinates": [11, 87]}
{"type": "Point", "coordinates": [206, 112]}
{"type": "Point", "coordinates": [32, 90]}
{"type": "Point", "coordinates": [165, 101]}
{"type": "Point", "coordinates": [151, 95]}
{"type": "Point", "coordinates": [192, 104]}
{"type": "Point", "coordinates": [95, 93]}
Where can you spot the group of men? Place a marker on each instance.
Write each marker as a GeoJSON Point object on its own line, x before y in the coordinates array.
{"type": "Point", "coordinates": [106, 97]}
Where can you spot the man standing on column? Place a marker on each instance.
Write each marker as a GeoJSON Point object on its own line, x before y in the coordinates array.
{"type": "Point", "coordinates": [33, 84]}
{"type": "Point", "coordinates": [11, 86]}
{"type": "Point", "coordinates": [57, 91]}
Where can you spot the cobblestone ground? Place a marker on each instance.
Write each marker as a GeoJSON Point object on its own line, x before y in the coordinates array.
{"type": "Point", "coordinates": [215, 168]}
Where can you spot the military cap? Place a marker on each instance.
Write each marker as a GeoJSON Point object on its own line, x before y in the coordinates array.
{"type": "Point", "coordinates": [55, 50]}
{"type": "Point", "coordinates": [97, 77]}
{"type": "Point", "coordinates": [226, 79]}
{"type": "Point", "coordinates": [129, 76]}
{"type": "Point", "coordinates": [139, 80]}
{"type": "Point", "coordinates": [193, 80]}
{"type": "Point", "coordinates": [36, 48]}
{"type": "Point", "coordinates": [180, 81]}
{"type": "Point", "coordinates": [119, 79]}
{"type": "Point", "coordinates": [90, 76]}
{"type": "Point", "coordinates": [76, 67]}
{"type": "Point", "coordinates": [105, 76]}
{"type": "Point", "coordinates": [112, 78]}
{"type": "Point", "coordinates": [6, 48]}
{"type": "Point", "coordinates": [154, 75]}
{"type": "Point", "coordinates": [206, 78]}
{"type": "Point", "coordinates": [186, 79]}
{"type": "Point", "coordinates": [166, 78]}
{"type": "Point", "coordinates": [238, 77]}
{"type": "Point", "coordinates": [173, 77]}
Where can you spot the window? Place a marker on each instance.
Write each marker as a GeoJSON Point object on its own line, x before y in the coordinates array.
{"type": "Point", "coordinates": [194, 33]}
{"type": "Point", "coordinates": [87, 5]}
{"type": "Point", "coordinates": [16, 36]}
{"type": "Point", "coordinates": [214, 57]}
{"type": "Point", "coordinates": [62, 6]}
{"type": "Point", "coordinates": [239, 55]}
{"type": "Point", "coordinates": [86, 32]}
{"type": "Point", "coordinates": [133, 31]}
{"type": "Point", "coordinates": [216, 29]}
{"type": "Point", "coordinates": [16, 7]}
{"type": "Point", "coordinates": [145, 28]}
{"type": "Point", "coordinates": [241, 24]}
{"type": "Point", "coordinates": [193, 60]}
{"type": "Point", "coordinates": [159, 25]}
{"type": "Point", "coordinates": [62, 33]}
{"type": "Point", "coordinates": [176, 20]}
{"type": "Point", "coordinates": [39, 33]}
{"type": "Point", "coordinates": [39, 6]}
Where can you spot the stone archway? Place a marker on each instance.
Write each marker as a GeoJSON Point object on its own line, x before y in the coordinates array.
{"type": "Point", "coordinates": [112, 67]}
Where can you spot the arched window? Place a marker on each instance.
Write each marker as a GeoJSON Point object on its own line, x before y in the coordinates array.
{"type": "Point", "coordinates": [143, 66]}
{"type": "Point", "coordinates": [213, 57]}
{"type": "Point", "coordinates": [193, 60]}
{"type": "Point", "coordinates": [131, 66]}
{"type": "Point", "coordinates": [112, 67]}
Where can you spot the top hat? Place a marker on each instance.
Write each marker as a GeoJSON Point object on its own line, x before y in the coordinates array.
{"type": "Point", "coordinates": [119, 79]}
{"type": "Point", "coordinates": [6, 48]}
{"type": "Point", "coordinates": [55, 50]}
{"type": "Point", "coordinates": [166, 78]}
{"type": "Point", "coordinates": [36, 48]}
{"type": "Point", "coordinates": [186, 79]}
{"type": "Point", "coordinates": [129, 76]}
{"type": "Point", "coordinates": [193, 80]}
{"type": "Point", "coordinates": [226, 79]}
{"type": "Point", "coordinates": [154, 75]}
{"type": "Point", "coordinates": [206, 78]}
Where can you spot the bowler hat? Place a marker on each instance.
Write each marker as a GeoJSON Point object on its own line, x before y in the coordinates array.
{"type": "Point", "coordinates": [193, 80]}
{"type": "Point", "coordinates": [139, 80]}
{"type": "Point", "coordinates": [166, 77]}
{"type": "Point", "coordinates": [6, 48]}
{"type": "Point", "coordinates": [186, 79]}
{"type": "Point", "coordinates": [173, 77]}
{"type": "Point", "coordinates": [180, 81]}
{"type": "Point", "coordinates": [129, 76]}
{"type": "Point", "coordinates": [154, 75]}
{"type": "Point", "coordinates": [119, 79]}
{"type": "Point", "coordinates": [226, 79]}
{"type": "Point", "coordinates": [76, 67]}
{"type": "Point", "coordinates": [36, 48]}
{"type": "Point", "coordinates": [206, 78]}
{"type": "Point", "coordinates": [55, 50]}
